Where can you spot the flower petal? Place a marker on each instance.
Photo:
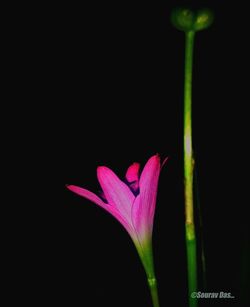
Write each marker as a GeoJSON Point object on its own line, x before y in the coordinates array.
{"type": "Point", "coordinates": [144, 205]}
{"type": "Point", "coordinates": [95, 199]}
{"type": "Point", "coordinates": [87, 194]}
{"type": "Point", "coordinates": [116, 192]}
{"type": "Point", "coordinates": [132, 172]}
{"type": "Point", "coordinates": [132, 176]}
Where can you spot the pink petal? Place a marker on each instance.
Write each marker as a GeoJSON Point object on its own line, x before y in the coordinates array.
{"type": "Point", "coordinates": [87, 194]}
{"type": "Point", "coordinates": [132, 176]}
{"type": "Point", "coordinates": [144, 205]}
{"type": "Point", "coordinates": [116, 192]}
{"type": "Point", "coordinates": [132, 172]}
{"type": "Point", "coordinates": [95, 199]}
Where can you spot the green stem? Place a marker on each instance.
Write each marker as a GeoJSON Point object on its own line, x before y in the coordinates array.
{"type": "Point", "coordinates": [152, 282]}
{"type": "Point", "coordinates": [188, 171]}
{"type": "Point", "coordinates": [146, 255]}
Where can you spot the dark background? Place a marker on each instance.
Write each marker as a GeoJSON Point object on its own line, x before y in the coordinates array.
{"type": "Point", "coordinates": [102, 84]}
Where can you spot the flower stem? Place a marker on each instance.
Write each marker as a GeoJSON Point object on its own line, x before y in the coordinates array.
{"type": "Point", "coordinates": [188, 170]}
{"type": "Point", "coordinates": [152, 282]}
{"type": "Point", "coordinates": [146, 256]}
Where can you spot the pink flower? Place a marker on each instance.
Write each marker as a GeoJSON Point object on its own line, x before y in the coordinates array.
{"type": "Point", "coordinates": [131, 202]}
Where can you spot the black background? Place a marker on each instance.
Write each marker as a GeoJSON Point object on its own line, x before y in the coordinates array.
{"type": "Point", "coordinates": [102, 84]}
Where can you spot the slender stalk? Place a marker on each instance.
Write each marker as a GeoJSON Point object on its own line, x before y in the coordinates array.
{"type": "Point", "coordinates": [152, 282]}
{"type": "Point", "coordinates": [190, 22]}
{"type": "Point", "coordinates": [146, 255]}
{"type": "Point", "coordinates": [188, 170]}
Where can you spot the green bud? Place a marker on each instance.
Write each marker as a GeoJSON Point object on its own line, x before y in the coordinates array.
{"type": "Point", "coordinates": [186, 20]}
{"type": "Point", "coordinates": [204, 18]}
{"type": "Point", "coordinates": [182, 19]}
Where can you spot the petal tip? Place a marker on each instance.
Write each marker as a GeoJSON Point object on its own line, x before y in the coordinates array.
{"type": "Point", "coordinates": [135, 164]}
{"type": "Point", "coordinates": [70, 187]}
{"type": "Point", "coordinates": [101, 169]}
{"type": "Point", "coordinates": [155, 158]}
